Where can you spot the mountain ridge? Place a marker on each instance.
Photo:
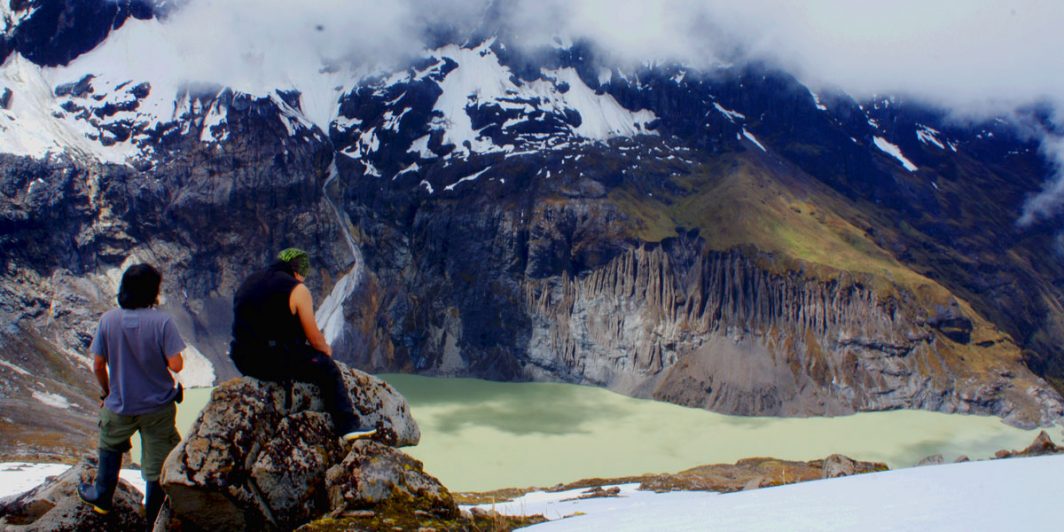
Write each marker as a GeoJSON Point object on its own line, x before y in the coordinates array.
{"type": "Point", "coordinates": [491, 193]}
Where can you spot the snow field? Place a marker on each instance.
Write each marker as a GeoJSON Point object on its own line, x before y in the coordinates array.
{"type": "Point", "coordinates": [1012, 494]}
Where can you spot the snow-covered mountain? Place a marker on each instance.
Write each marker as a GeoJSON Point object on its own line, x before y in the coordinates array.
{"type": "Point", "coordinates": [723, 237]}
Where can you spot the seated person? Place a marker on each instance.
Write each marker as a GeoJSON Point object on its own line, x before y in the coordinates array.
{"type": "Point", "coordinates": [275, 337]}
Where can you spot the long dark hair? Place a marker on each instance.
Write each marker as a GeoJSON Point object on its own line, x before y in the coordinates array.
{"type": "Point", "coordinates": [140, 287]}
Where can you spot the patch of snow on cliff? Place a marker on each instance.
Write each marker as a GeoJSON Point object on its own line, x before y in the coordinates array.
{"type": "Point", "coordinates": [816, 100]}
{"type": "Point", "coordinates": [52, 400]}
{"type": "Point", "coordinates": [894, 151]}
{"type": "Point", "coordinates": [198, 371]}
{"type": "Point", "coordinates": [391, 120]}
{"type": "Point", "coordinates": [605, 76]}
{"type": "Point", "coordinates": [750, 136]}
{"type": "Point", "coordinates": [602, 117]}
{"type": "Point", "coordinates": [215, 127]}
{"type": "Point", "coordinates": [139, 52]}
{"type": "Point", "coordinates": [28, 127]}
{"type": "Point", "coordinates": [929, 135]}
{"type": "Point", "coordinates": [412, 167]}
{"type": "Point", "coordinates": [293, 119]}
{"type": "Point", "coordinates": [481, 80]}
{"type": "Point", "coordinates": [478, 78]}
{"type": "Point", "coordinates": [732, 116]}
{"type": "Point", "coordinates": [466, 178]}
{"type": "Point", "coordinates": [420, 146]}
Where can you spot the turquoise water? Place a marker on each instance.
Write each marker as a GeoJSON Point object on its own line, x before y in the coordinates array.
{"type": "Point", "coordinates": [480, 435]}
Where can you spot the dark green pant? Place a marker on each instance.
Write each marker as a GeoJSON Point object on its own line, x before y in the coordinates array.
{"type": "Point", "coordinates": [158, 436]}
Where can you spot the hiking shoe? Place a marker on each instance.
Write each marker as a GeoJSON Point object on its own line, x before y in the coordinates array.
{"type": "Point", "coordinates": [358, 434]}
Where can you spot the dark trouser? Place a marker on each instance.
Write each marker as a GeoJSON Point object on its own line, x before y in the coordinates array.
{"type": "Point", "coordinates": [158, 436]}
{"type": "Point", "coordinates": [303, 364]}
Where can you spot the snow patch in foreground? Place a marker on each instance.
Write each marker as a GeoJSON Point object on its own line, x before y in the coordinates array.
{"type": "Point", "coordinates": [1012, 494]}
{"type": "Point", "coordinates": [19, 477]}
{"type": "Point", "coordinates": [894, 151]}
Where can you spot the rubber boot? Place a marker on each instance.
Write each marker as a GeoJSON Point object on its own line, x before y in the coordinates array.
{"type": "Point", "coordinates": [153, 501]}
{"type": "Point", "coordinates": [101, 493]}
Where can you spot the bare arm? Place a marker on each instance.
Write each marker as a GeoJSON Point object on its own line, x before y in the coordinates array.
{"type": "Point", "coordinates": [303, 306]}
{"type": "Point", "coordinates": [175, 362]}
{"type": "Point", "coordinates": [99, 367]}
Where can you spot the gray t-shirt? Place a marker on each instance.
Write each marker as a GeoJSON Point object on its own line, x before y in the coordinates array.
{"type": "Point", "coordinates": [136, 344]}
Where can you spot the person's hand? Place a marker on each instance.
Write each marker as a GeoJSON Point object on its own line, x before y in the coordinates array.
{"type": "Point", "coordinates": [103, 397]}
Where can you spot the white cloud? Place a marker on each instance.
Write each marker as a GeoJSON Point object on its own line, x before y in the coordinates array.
{"type": "Point", "coordinates": [974, 57]}
{"type": "Point", "coordinates": [964, 54]}
{"type": "Point", "coordinates": [1050, 201]}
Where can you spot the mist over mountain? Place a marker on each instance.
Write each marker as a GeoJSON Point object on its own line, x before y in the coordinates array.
{"type": "Point", "coordinates": [759, 212]}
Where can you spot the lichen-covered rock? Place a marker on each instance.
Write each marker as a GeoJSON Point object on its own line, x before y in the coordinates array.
{"type": "Point", "coordinates": [258, 454]}
{"type": "Point", "coordinates": [382, 407]}
{"type": "Point", "coordinates": [55, 506]}
{"type": "Point", "coordinates": [373, 475]}
{"type": "Point", "coordinates": [290, 470]}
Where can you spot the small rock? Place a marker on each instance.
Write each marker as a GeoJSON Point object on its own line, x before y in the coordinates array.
{"type": "Point", "coordinates": [360, 513]}
{"type": "Point", "coordinates": [838, 465]}
{"type": "Point", "coordinates": [373, 475]}
{"type": "Point", "coordinates": [935, 459]}
{"type": "Point", "coordinates": [1042, 445]}
{"type": "Point", "coordinates": [962, 458]}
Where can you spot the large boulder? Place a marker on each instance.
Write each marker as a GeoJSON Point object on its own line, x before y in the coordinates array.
{"type": "Point", "coordinates": [55, 506]}
{"type": "Point", "coordinates": [257, 456]}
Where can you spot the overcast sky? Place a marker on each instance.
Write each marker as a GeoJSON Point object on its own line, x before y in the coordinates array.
{"type": "Point", "coordinates": [965, 54]}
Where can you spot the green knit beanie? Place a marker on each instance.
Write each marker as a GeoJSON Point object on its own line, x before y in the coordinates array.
{"type": "Point", "coordinates": [297, 258]}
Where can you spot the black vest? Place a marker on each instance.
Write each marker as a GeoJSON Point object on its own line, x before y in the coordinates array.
{"type": "Point", "coordinates": [262, 318]}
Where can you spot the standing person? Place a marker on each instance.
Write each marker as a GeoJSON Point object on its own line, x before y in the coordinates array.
{"type": "Point", "coordinates": [275, 337]}
{"type": "Point", "coordinates": [136, 347]}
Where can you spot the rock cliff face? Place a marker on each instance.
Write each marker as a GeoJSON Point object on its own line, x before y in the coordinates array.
{"type": "Point", "coordinates": [557, 292]}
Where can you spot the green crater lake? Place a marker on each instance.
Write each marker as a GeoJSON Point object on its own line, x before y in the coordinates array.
{"type": "Point", "coordinates": [481, 435]}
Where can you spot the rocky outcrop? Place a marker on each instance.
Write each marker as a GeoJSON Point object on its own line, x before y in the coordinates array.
{"type": "Point", "coordinates": [375, 476]}
{"type": "Point", "coordinates": [1042, 445]}
{"type": "Point", "coordinates": [746, 474]}
{"type": "Point", "coordinates": [55, 506]}
{"type": "Point", "coordinates": [264, 456]}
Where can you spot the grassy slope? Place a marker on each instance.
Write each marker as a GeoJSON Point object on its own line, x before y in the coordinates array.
{"type": "Point", "coordinates": [749, 200]}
